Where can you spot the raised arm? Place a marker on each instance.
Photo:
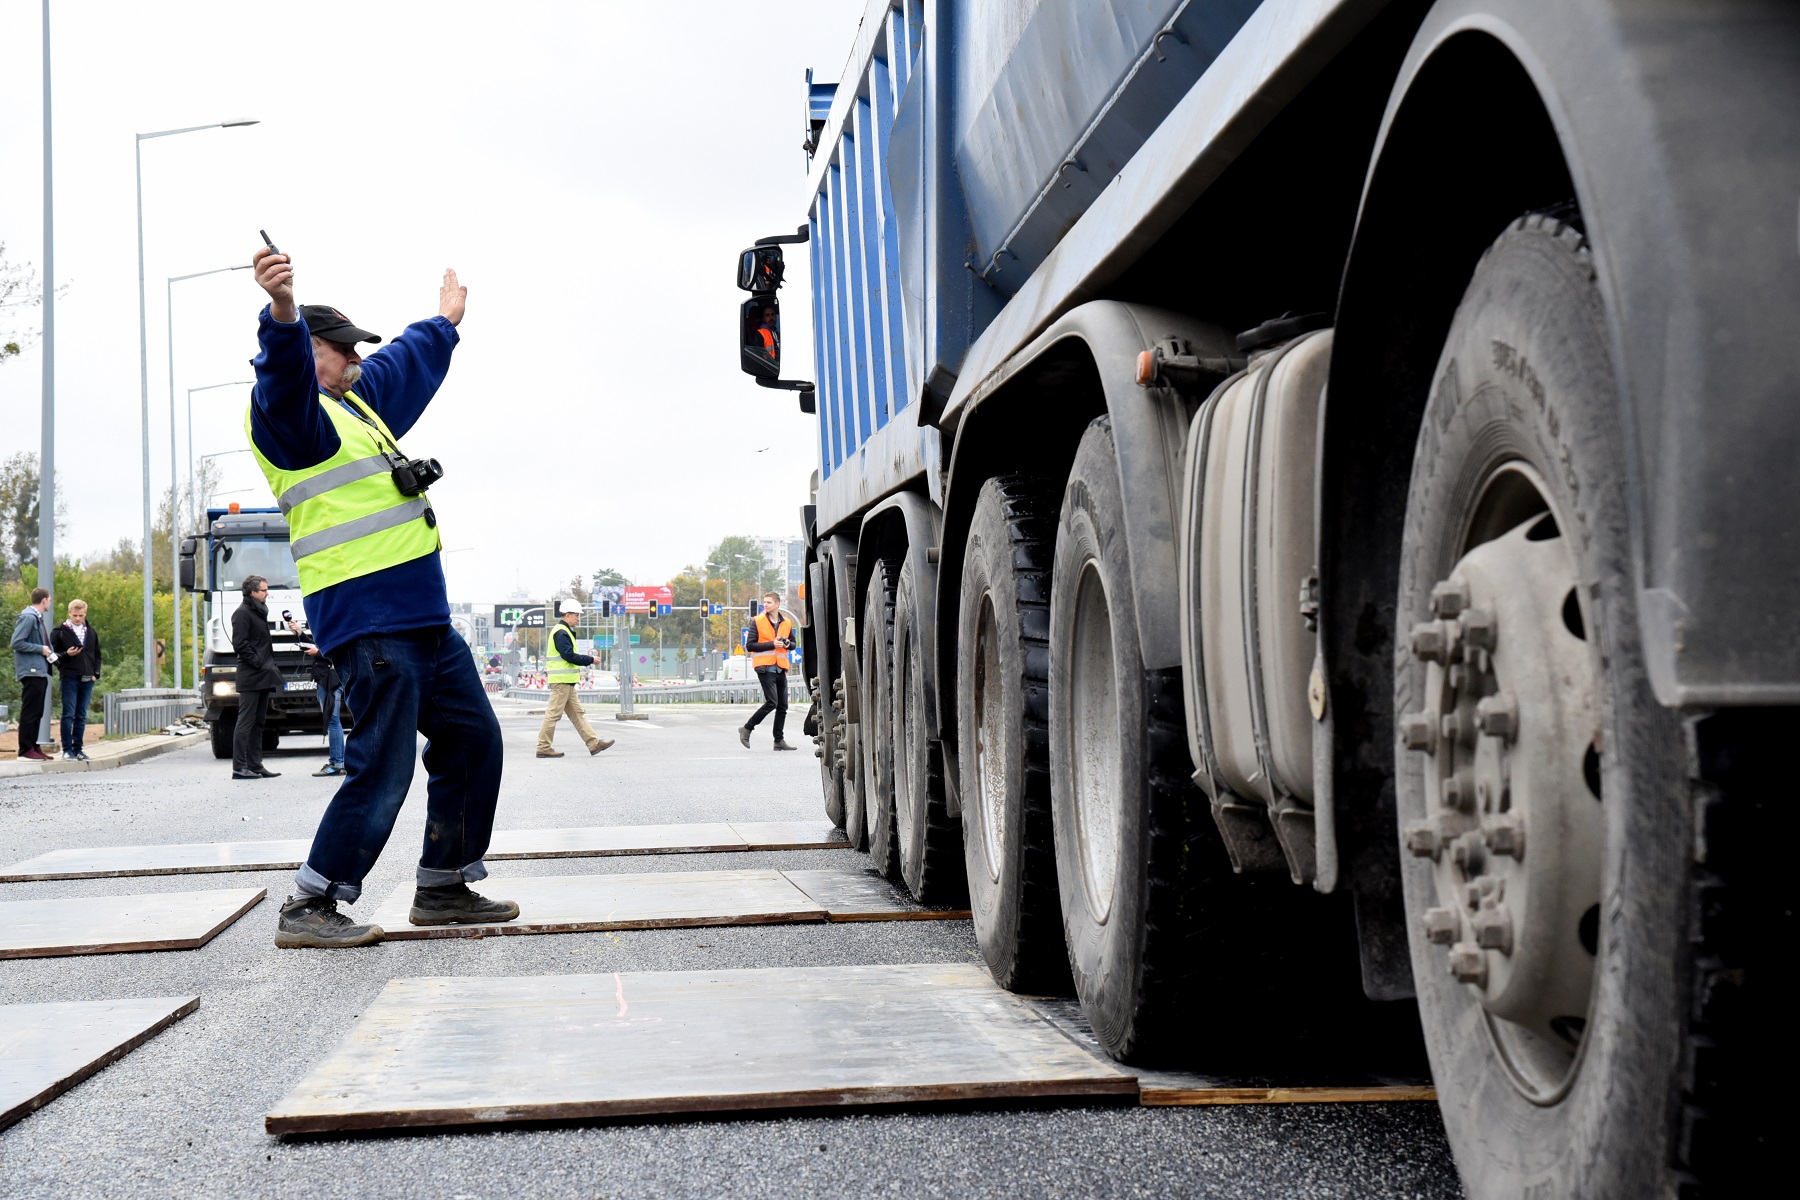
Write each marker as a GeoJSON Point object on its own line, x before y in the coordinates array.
{"type": "Point", "coordinates": [401, 378]}
{"type": "Point", "coordinates": [286, 422]}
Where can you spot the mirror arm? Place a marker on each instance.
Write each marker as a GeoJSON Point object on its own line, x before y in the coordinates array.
{"type": "Point", "coordinates": [803, 386]}
{"type": "Point", "coordinates": [784, 239]}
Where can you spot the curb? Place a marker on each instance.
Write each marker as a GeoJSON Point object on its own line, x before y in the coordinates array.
{"type": "Point", "coordinates": [125, 758]}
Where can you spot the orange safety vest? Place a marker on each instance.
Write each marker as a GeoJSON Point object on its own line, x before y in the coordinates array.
{"type": "Point", "coordinates": [768, 338]}
{"type": "Point", "coordinates": [768, 631]}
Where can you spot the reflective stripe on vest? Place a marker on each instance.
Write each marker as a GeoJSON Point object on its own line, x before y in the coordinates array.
{"type": "Point", "coordinates": [558, 669]}
{"type": "Point", "coordinates": [346, 517]}
{"type": "Point", "coordinates": [768, 631]}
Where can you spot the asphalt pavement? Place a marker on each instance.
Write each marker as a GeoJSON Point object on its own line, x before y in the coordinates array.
{"type": "Point", "coordinates": [182, 1115]}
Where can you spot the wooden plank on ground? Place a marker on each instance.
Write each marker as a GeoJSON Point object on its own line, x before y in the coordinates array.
{"type": "Point", "coordinates": [461, 1051]}
{"type": "Point", "coordinates": [1178, 1089]}
{"type": "Point", "coordinates": [599, 840]}
{"type": "Point", "coordinates": [790, 835]}
{"type": "Point", "coordinates": [114, 862]}
{"type": "Point", "coordinates": [652, 900]}
{"type": "Point", "coordinates": [111, 924]}
{"type": "Point", "coordinates": [863, 895]}
{"type": "Point", "coordinates": [46, 1049]}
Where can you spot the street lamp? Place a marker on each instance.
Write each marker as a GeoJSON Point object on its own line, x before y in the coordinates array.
{"type": "Point", "coordinates": [194, 510]}
{"type": "Point", "coordinates": [174, 522]}
{"type": "Point", "coordinates": [150, 679]}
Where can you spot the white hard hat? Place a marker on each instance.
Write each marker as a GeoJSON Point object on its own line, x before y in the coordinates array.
{"type": "Point", "coordinates": [568, 606]}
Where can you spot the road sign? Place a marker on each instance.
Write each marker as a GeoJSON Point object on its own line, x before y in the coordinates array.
{"type": "Point", "coordinates": [635, 639]}
{"type": "Point", "coordinates": [663, 610]}
{"type": "Point", "coordinates": [513, 616]}
{"type": "Point", "coordinates": [713, 610]}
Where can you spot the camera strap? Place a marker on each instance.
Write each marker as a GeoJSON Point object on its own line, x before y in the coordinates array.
{"type": "Point", "coordinates": [356, 411]}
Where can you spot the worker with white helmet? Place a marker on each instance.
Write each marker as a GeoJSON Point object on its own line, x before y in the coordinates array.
{"type": "Point", "coordinates": [564, 676]}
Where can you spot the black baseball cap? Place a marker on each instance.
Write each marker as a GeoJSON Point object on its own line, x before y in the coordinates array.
{"type": "Point", "coordinates": [324, 321]}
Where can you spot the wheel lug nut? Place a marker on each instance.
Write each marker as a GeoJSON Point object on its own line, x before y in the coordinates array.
{"type": "Point", "coordinates": [1458, 794]}
{"type": "Point", "coordinates": [1480, 629]}
{"type": "Point", "coordinates": [1468, 964]}
{"type": "Point", "coordinates": [1469, 853]}
{"type": "Point", "coordinates": [1452, 728]}
{"type": "Point", "coordinates": [1428, 641]}
{"type": "Point", "coordinates": [1505, 834]}
{"type": "Point", "coordinates": [1457, 676]}
{"type": "Point", "coordinates": [1442, 926]}
{"type": "Point", "coordinates": [1493, 929]}
{"type": "Point", "coordinates": [1498, 716]}
{"type": "Point", "coordinates": [1422, 839]}
{"type": "Point", "coordinates": [1419, 732]}
{"type": "Point", "coordinates": [1449, 597]}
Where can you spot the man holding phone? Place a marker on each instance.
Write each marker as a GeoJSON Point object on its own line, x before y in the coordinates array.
{"type": "Point", "coordinates": [769, 646]}
{"type": "Point", "coordinates": [324, 425]}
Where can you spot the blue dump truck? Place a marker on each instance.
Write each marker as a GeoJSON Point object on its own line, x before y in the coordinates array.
{"type": "Point", "coordinates": [1301, 539]}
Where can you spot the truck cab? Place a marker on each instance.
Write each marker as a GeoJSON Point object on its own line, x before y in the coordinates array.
{"type": "Point", "coordinates": [239, 543]}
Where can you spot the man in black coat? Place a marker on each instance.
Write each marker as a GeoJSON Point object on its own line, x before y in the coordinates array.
{"type": "Point", "coordinates": [257, 679]}
{"type": "Point", "coordinates": [77, 646]}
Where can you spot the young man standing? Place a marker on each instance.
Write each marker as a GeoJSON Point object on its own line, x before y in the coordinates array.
{"type": "Point", "coordinates": [32, 657]}
{"type": "Point", "coordinates": [77, 646]}
{"type": "Point", "coordinates": [562, 669]}
{"type": "Point", "coordinates": [324, 425]}
{"type": "Point", "coordinates": [769, 646]}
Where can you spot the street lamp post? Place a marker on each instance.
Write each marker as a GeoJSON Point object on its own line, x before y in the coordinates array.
{"type": "Point", "coordinates": [194, 518]}
{"type": "Point", "coordinates": [150, 679]}
{"type": "Point", "coordinates": [174, 508]}
{"type": "Point", "coordinates": [47, 434]}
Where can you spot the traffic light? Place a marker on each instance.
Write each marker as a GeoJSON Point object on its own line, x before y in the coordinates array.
{"type": "Point", "coordinates": [650, 613]}
{"type": "Point", "coordinates": [606, 608]}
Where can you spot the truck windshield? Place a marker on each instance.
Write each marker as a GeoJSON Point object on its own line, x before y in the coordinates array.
{"type": "Point", "coordinates": [239, 558]}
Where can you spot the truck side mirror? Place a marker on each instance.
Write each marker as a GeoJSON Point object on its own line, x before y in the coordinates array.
{"type": "Point", "coordinates": [759, 336]}
{"type": "Point", "coordinates": [760, 269]}
{"type": "Point", "coordinates": [188, 546]}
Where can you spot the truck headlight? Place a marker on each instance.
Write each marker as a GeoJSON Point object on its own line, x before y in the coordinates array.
{"type": "Point", "coordinates": [224, 687]}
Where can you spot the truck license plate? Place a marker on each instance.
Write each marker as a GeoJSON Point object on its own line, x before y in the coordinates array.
{"type": "Point", "coordinates": [301, 685]}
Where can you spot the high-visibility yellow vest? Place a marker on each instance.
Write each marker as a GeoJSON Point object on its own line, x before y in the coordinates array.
{"type": "Point", "coordinates": [346, 517]}
{"type": "Point", "coordinates": [768, 631]}
{"type": "Point", "coordinates": [558, 669]}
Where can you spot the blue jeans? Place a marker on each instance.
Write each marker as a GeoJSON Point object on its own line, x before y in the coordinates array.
{"type": "Point", "coordinates": [76, 692]}
{"type": "Point", "coordinates": [334, 723]}
{"type": "Point", "coordinates": [400, 685]}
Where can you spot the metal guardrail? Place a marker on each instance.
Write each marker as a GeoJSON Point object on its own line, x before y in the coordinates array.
{"type": "Point", "coordinates": [717, 691]}
{"type": "Point", "coordinates": [146, 710]}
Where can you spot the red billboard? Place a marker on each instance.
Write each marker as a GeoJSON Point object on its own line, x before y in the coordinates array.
{"type": "Point", "coordinates": [645, 599]}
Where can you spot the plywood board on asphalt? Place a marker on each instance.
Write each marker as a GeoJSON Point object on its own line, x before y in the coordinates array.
{"type": "Point", "coordinates": [113, 862]}
{"type": "Point", "coordinates": [790, 835]}
{"type": "Point", "coordinates": [653, 900]}
{"type": "Point", "coordinates": [112, 924]}
{"type": "Point", "coordinates": [1177, 1089]}
{"type": "Point", "coordinates": [851, 895]}
{"type": "Point", "coordinates": [46, 1049]}
{"type": "Point", "coordinates": [462, 1051]}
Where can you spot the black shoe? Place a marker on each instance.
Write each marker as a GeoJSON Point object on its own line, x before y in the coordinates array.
{"type": "Point", "coordinates": [744, 735]}
{"type": "Point", "coordinates": [82, 755]}
{"type": "Point", "coordinates": [268, 774]}
{"type": "Point", "coordinates": [315, 921]}
{"type": "Point", "coordinates": [246, 775]}
{"type": "Point", "coordinates": [785, 746]}
{"type": "Point", "coordinates": [455, 904]}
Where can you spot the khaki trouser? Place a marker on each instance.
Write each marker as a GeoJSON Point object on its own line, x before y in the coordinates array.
{"type": "Point", "coordinates": [562, 699]}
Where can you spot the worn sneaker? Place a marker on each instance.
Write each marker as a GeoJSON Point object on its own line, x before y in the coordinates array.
{"type": "Point", "coordinates": [328, 769]}
{"type": "Point", "coordinates": [549, 753]}
{"type": "Point", "coordinates": [785, 746]}
{"type": "Point", "coordinates": [600, 745]}
{"type": "Point", "coordinates": [744, 735]}
{"type": "Point", "coordinates": [316, 921]}
{"type": "Point", "coordinates": [456, 904]}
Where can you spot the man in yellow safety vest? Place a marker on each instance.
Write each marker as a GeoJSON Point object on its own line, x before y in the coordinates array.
{"type": "Point", "coordinates": [562, 670]}
{"type": "Point", "coordinates": [769, 645]}
{"type": "Point", "coordinates": [323, 424]}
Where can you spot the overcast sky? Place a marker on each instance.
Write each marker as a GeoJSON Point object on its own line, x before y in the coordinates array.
{"type": "Point", "coordinates": [590, 168]}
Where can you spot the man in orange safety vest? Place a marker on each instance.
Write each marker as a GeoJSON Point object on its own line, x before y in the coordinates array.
{"type": "Point", "coordinates": [769, 646]}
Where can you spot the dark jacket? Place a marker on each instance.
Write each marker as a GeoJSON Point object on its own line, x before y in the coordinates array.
{"type": "Point", "coordinates": [65, 643]}
{"type": "Point", "coordinates": [324, 673]}
{"type": "Point", "coordinates": [256, 670]}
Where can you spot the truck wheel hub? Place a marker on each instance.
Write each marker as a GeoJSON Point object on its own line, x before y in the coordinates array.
{"type": "Point", "coordinates": [1511, 735]}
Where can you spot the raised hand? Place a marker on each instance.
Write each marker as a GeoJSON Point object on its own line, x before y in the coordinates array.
{"type": "Point", "coordinates": [275, 275]}
{"type": "Point", "coordinates": [453, 298]}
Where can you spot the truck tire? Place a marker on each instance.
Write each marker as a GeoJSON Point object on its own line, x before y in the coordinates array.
{"type": "Point", "coordinates": [222, 729]}
{"type": "Point", "coordinates": [874, 738]}
{"type": "Point", "coordinates": [849, 770]}
{"type": "Point", "coordinates": [1134, 835]}
{"type": "Point", "coordinates": [1002, 727]}
{"type": "Point", "coordinates": [1549, 931]}
{"type": "Point", "coordinates": [931, 852]}
{"type": "Point", "coordinates": [831, 773]}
